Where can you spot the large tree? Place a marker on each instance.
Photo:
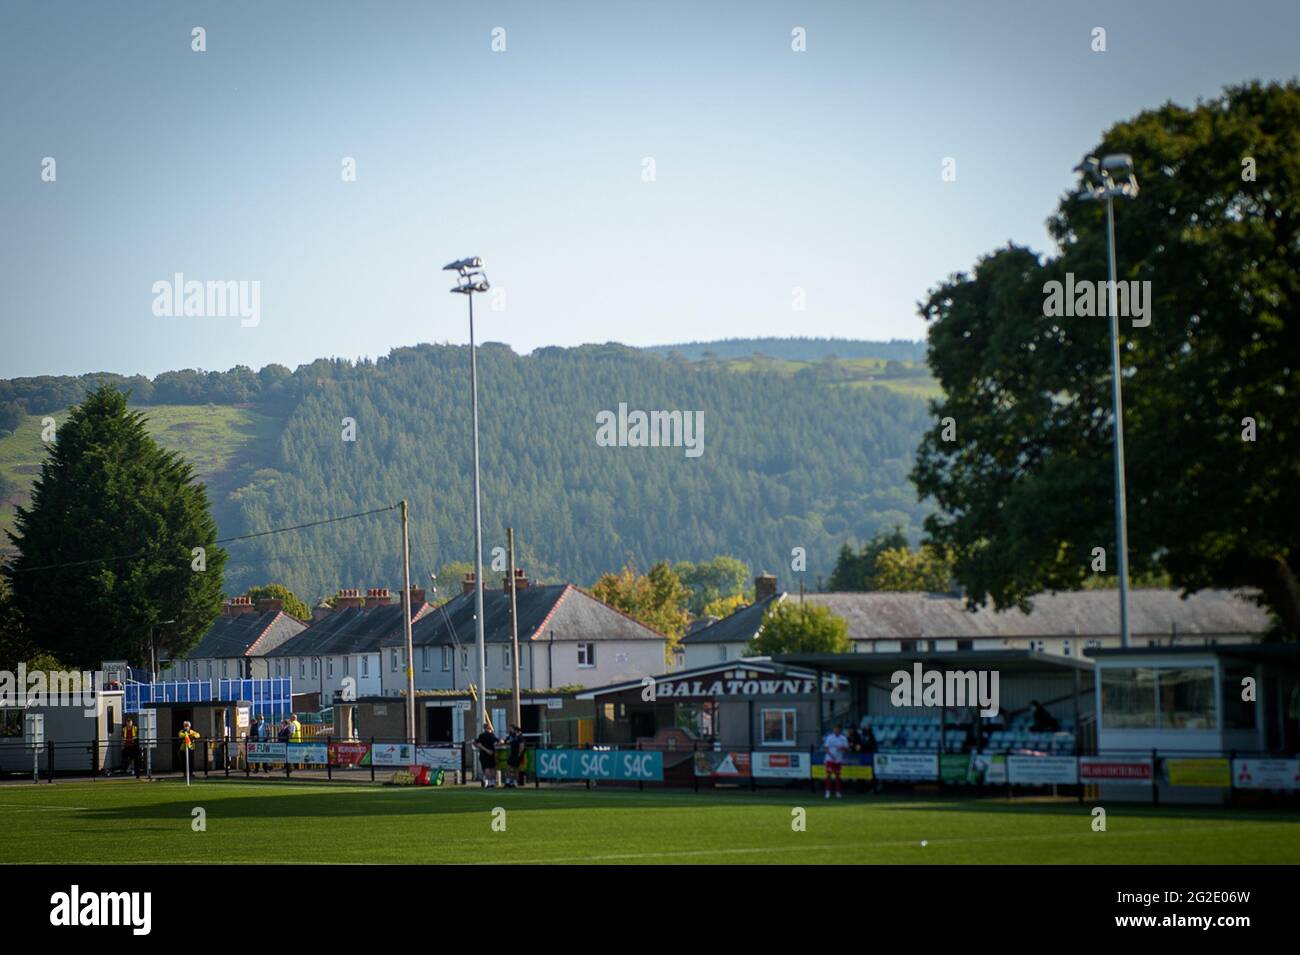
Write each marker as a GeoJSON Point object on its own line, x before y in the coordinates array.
{"type": "Point", "coordinates": [291, 602]}
{"type": "Point", "coordinates": [658, 599]}
{"type": "Point", "coordinates": [712, 580]}
{"type": "Point", "coordinates": [1019, 460]}
{"type": "Point", "coordinates": [107, 548]}
{"type": "Point", "coordinates": [793, 627]}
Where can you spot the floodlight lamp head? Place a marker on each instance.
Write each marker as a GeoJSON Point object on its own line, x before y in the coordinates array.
{"type": "Point", "coordinates": [464, 265]}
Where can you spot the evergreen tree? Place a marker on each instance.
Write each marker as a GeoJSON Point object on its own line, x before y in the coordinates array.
{"type": "Point", "coordinates": [118, 539]}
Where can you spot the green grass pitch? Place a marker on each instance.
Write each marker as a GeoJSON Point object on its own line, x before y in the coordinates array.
{"type": "Point", "coordinates": [272, 822]}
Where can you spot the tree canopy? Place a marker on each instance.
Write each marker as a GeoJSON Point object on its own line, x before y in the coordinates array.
{"type": "Point", "coordinates": [118, 539]}
{"type": "Point", "coordinates": [1019, 460]}
{"type": "Point", "coordinates": [793, 627]}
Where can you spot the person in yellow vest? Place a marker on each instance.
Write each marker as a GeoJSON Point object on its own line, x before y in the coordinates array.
{"type": "Point", "coordinates": [130, 747]}
{"type": "Point", "coordinates": [295, 733]}
{"type": "Point", "coordinates": [187, 736]}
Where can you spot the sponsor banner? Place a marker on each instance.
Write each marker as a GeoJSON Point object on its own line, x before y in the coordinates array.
{"type": "Point", "coordinates": [1114, 769]}
{"type": "Point", "coordinates": [781, 765]}
{"type": "Point", "coordinates": [1198, 772]}
{"type": "Point", "coordinates": [392, 754]}
{"type": "Point", "coordinates": [314, 753]}
{"type": "Point", "coordinates": [1266, 774]}
{"type": "Point", "coordinates": [973, 769]}
{"type": "Point", "coordinates": [438, 757]}
{"type": "Point", "coordinates": [722, 765]}
{"type": "Point", "coordinates": [623, 765]}
{"type": "Point", "coordinates": [907, 765]}
{"type": "Point", "coordinates": [1042, 770]}
{"type": "Point", "coordinates": [853, 766]}
{"type": "Point", "coordinates": [350, 754]}
{"type": "Point", "coordinates": [263, 752]}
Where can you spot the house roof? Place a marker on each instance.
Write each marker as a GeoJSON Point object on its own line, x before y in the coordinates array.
{"type": "Point", "coordinates": [739, 627]}
{"type": "Point", "coordinates": [351, 630]}
{"type": "Point", "coordinates": [880, 664]}
{"type": "Point", "coordinates": [240, 635]}
{"type": "Point", "coordinates": [1085, 613]}
{"type": "Point", "coordinates": [547, 611]}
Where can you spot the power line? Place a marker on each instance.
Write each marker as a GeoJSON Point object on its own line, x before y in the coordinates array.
{"type": "Point", "coordinates": [224, 540]}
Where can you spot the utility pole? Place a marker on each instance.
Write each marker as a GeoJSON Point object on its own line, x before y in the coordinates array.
{"type": "Point", "coordinates": [406, 623]}
{"type": "Point", "coordinates": [514, 629]}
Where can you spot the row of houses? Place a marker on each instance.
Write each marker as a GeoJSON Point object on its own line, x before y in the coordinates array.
{"type": "Point", "coordinates": [568, 638]}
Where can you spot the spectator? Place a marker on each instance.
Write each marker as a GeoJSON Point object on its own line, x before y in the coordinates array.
{"type": "Point", "coordinates": [485, 743]}
{"type": "Point", "coordinates": [130, 747]}
{"type": "Point", "coordinates": [518, 749]}
{"type": "Point", "coordinates": [867, 739]}
{"type": "Point", "coordinates": [855, 741]}
{"type": "Point", "coordinates": [257, 734]}
{"type": "Point", "coordinates": [1044, 722]}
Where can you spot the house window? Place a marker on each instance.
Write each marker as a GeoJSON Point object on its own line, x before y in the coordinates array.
{"type": "Point", "coordinates": [1065, 648]}
{"type": "Point", "coordinates": [315, 667]}
{"type": "Point", "coordinates": [209, 669]}
{"type": "Point", "coordinates": [1037, 645]}
{"type": "Point", "coordinates": [722, 652]}
{"type": "Point", "coordinates": [365, 666]}
{"type": "Point", "coordinates": [302, 667]}
{"type": "Point", "coordinates": [224, 668]}
{"type": "Point", "coordinates": [446, 659]}
{"type": "Point", "coordinates": [505, 657]}
{"type": "Point", "coordinates": [392, 660]}
{"type": "Point", "coordinates": [347, 664]}
{"type": "Point", "coordinates": [586, 654]}
{"type": "Point", "coordinates": [779, 726]}
{"type": "Point", "coordinates": [965, 644]}
{"type": "Point", "coordinates": [329, 664]}
{"type": "Point", "coordinates": [426, 659]}
{"type": "Point", "coordinates": [464, 658]}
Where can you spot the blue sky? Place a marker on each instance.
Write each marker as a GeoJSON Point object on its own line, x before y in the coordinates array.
{"type": "Point", "coordinates": [774, 169]}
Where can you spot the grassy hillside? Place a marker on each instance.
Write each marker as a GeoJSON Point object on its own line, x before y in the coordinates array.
{"type": "Point", "coordinates": [223, 442]}
{"type": "Point", "coordinates": [903, 377]}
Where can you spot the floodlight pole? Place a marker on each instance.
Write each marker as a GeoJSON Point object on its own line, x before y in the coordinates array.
{"type": "Point", "coordinates": [472, 279]}
{"type": "Point", "coordinates": [481, 642]}
{"type": "Point", "coordinates": [1117, 401]}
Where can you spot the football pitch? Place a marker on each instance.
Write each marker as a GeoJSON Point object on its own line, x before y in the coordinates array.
{"type": "Point", "coordinates": [270, 822]}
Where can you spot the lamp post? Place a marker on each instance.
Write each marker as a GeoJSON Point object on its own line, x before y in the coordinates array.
{"type": "Point", "coordinates": [471, 279]}
{"type": "Point", "coordinates": [1105, 179]}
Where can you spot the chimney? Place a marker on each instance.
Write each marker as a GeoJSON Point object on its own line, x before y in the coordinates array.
{"type": "Point", "coordinates": [238, 605]}
{"type": "Point", "coordinates": [764, 587]}
{"type": "Point", "coordinates": [521, 581]}
{"type": "Point", "coordinates": [417, 597]}
{"type": "Point", "coordinates": [467, 585]}
{"type": "Point", "coordinates": [346, 599]}
{"type": "Point", "coordinates": [270, 605]}
{"type": "Point", "coordinates": [378, 597]}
